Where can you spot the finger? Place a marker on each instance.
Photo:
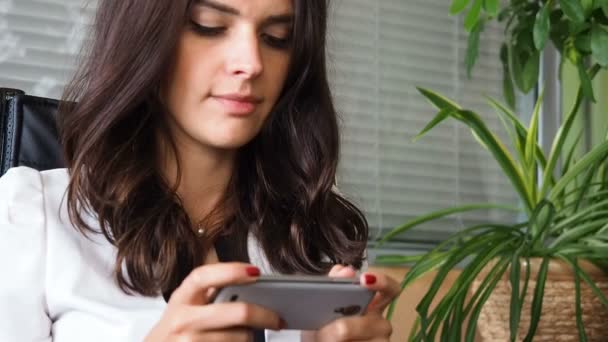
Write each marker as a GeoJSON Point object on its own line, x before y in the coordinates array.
{"type": "Point", "coordinates": [355, 328]}
{"type": "Point", "coordinates": [194, 288]}
{"type": "Point", "coordinates": [342, 271]}
{"type": "Point", "coordinates": [224, 315]}
{"type": "Point", "coordinates": [387, 289]}
{"type": "Point", "coordinates": [236, 335]}
{"type": "Point", "coordinates": [335, 269]}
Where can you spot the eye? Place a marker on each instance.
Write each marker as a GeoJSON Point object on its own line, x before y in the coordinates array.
{"type": "Point", "coordinates": [276, 42]}
{"type": "Point", "coordinates": [207, 31]}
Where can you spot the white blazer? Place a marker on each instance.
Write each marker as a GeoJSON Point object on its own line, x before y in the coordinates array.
{"type": "Point", "coordinates": [56, 285]}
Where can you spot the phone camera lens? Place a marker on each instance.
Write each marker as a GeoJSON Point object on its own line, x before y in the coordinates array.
{"type": "Point", "coordinates": [348, 310]}
{"type": "Point", "coordinates": [234, 298]}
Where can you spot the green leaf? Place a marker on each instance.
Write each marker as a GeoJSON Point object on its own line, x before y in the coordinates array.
{"type": "Point", "coordinates": [472, 325]}
{"type": "Point", "coordinates": [577, 233]}
{"type": "Point", "coordinates": [580, 273]}
{"type": "Point", "coordinates": [412, 336]}
{"type": "Point", "coordinates": [596, 153]}
{"type": "Point", "coordinates": [560, 138]}
{"type": "Point", "coordinates": [558, 34]}
{"type": "Point", "coordinates": [518, 138]}
{"type": "Point", "coordinates": [490, 141]}
{"type": "Point", "coordinates": [604, 4]}
{"type": "Point", "coordinates": [576, 29]}
{"type": "Point", "coordinates": [441, 253]}
{"type": "Point", "coordinates": [537, 300]}
{"type": "Point", "coordinates": [455, 332]}
{"type": "Point", "coordinates": [429, 262]}
{"type": "Point", "coordinates": [571, 52]}
{"type": "Point", "coordinates": [599, 44]}
{"type": "Point", "coordinates": [530, 72]}
{"type": "Point", "coordinates": [541, 27]}
{"type": "Point", "coordinates": [473, 47]}
{"type": "Point", "coordinates": [540, 220]}
{"type": "Point", "coordinates": [491, 7]}
{"type": "Point", "coordinates": [582, 336]}
{"type": "Point", "coordinates": [590, 211]}
{"type": "Point", "coordinates": [496, 243]}
{"type": "Point", "coordinates": [587, 7]}
{"type": "Point", "coordinates": [504, 13]}
{"type": "Point", "coordinates": [494, 269]}
{"type": "Point", "coordinates": [585, 81]}
{"type": "Point", "coordinates": [524, 291]}
{"type": "Point", "coordinates": [522, 133]}
{"type": "Point", "coordinates": [530, 150]}
{"type": "Point", "coordinates": [515, 66]}
{"type": "Point", "coordinates": [438, 214]}
{"type": "Point", "coordinates": [586, 185]}
{"type": "Point", "coordinates": [507, 88]}
{"type": "Point", "coordinates": [598, 15]}
{"type": "Point", "coordinates": [583, 42]}
{"type": "Point", "coordinates": [573, 9]}
{"type": "Point", "coordinates": [516, 304]}
{"type": "Point", "coordinates": [507, 82]}
{"type": "Point", "coordinates": [582, 215]}
{"type": "Point", "coordinates": [396, 260]}
{"type": "Point", "coordinates": [473, 16]}
{"type": "Point", "coordinates": [441, 116]}
{"type": "Point", "coordinates": [440, 102]}
{"type": "Point", "coordinates": [494, 248]}
{"type": "Point", "coordinates": [458, 6]}
{"type": "Point", "coordinates": [500, 154]}
{"type": "Point", "coordinates": [569, 161]}
{"type": "Point", "coordinates": [598, 293]}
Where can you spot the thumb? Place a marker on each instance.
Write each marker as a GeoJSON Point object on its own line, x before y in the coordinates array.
{"type": "Point", "coordinates": [342, 271]}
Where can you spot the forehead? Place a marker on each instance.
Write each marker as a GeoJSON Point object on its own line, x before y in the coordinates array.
{"type": "Point", "coordinates": [248, 8]}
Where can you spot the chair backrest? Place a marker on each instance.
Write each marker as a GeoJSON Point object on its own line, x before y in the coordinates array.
{"type": "Point", "coordinates": [28, 131]}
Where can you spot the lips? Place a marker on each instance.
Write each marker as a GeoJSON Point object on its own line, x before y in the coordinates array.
{"type": "Point", "coordinates": [238, 104]}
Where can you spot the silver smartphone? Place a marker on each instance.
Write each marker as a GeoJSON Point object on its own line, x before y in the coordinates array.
{"type": "Point", "coordinates": [304, 302]}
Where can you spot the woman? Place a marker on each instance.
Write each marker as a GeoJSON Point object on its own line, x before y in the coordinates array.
{"type": "Point", "coordinates": [195, 130]}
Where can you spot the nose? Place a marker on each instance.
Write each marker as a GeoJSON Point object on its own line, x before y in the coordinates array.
{"type": "Point", "coordinates": [244, 56]}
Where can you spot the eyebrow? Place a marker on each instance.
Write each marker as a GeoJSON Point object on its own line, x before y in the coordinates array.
{"type": "Point", "coordinates": [218, 7]}
{"type": "Point", "coordinates": [271, 20]}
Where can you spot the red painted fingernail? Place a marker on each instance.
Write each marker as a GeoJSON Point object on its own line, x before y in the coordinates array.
{"type": "Point", "coordinates": [253, 271]}
{"type": "Point", "coordinates": [370, 279]}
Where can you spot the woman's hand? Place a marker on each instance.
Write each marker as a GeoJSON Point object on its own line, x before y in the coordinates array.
{"type": "Point", "coordinates": [370, 327]}
{"type": "Point", "coordinates": [189, 316]}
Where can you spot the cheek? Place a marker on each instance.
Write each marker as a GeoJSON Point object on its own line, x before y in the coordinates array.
{"type": "Point", "coordinates": [187, 81]}
{"type": "Point", "coordinates": [277, 74]}
{"type": "Point", "coordinates": [187, 87]}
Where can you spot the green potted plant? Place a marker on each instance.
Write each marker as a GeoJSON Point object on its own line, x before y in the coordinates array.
{"type": "Point", "coordinates": [541, 276]}
{"type": "Point", "coordinates": [577, 29]}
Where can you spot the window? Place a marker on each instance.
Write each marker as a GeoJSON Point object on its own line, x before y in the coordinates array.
{"type": "Point", "coordinates": [39, 43]}
{"type": "Point", "coordinates": [379, 51]}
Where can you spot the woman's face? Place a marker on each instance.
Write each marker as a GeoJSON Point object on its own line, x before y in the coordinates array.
{"type": "Point", "coordinates": [230, 67]}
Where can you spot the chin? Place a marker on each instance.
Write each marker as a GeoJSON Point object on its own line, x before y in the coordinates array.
{"type": "Point", "coordinates": [233, 142]}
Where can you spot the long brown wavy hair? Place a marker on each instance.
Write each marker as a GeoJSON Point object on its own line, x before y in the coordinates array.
{"type": "Point", "coordinates": [281, 189]}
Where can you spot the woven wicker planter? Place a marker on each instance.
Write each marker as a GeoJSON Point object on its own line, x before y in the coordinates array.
{"type": "Point", "coordinates": [558, 320]}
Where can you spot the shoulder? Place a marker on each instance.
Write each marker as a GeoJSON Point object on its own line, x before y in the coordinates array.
{"type": "Point", "coordinates": [24, 190]}
{"type": "Point", "coordinates": [22, 196]}
{"type": "Point", "coordinates": [23, 255]}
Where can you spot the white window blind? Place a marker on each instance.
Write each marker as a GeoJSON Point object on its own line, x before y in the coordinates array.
{"type": "Point", "coordinates": [39, 43]}
{"type": "Point", "coordinates": [379, 51]}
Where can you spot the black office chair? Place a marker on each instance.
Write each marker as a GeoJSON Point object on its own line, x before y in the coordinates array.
{"type": "Point", "coordinates": [28, 131]}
